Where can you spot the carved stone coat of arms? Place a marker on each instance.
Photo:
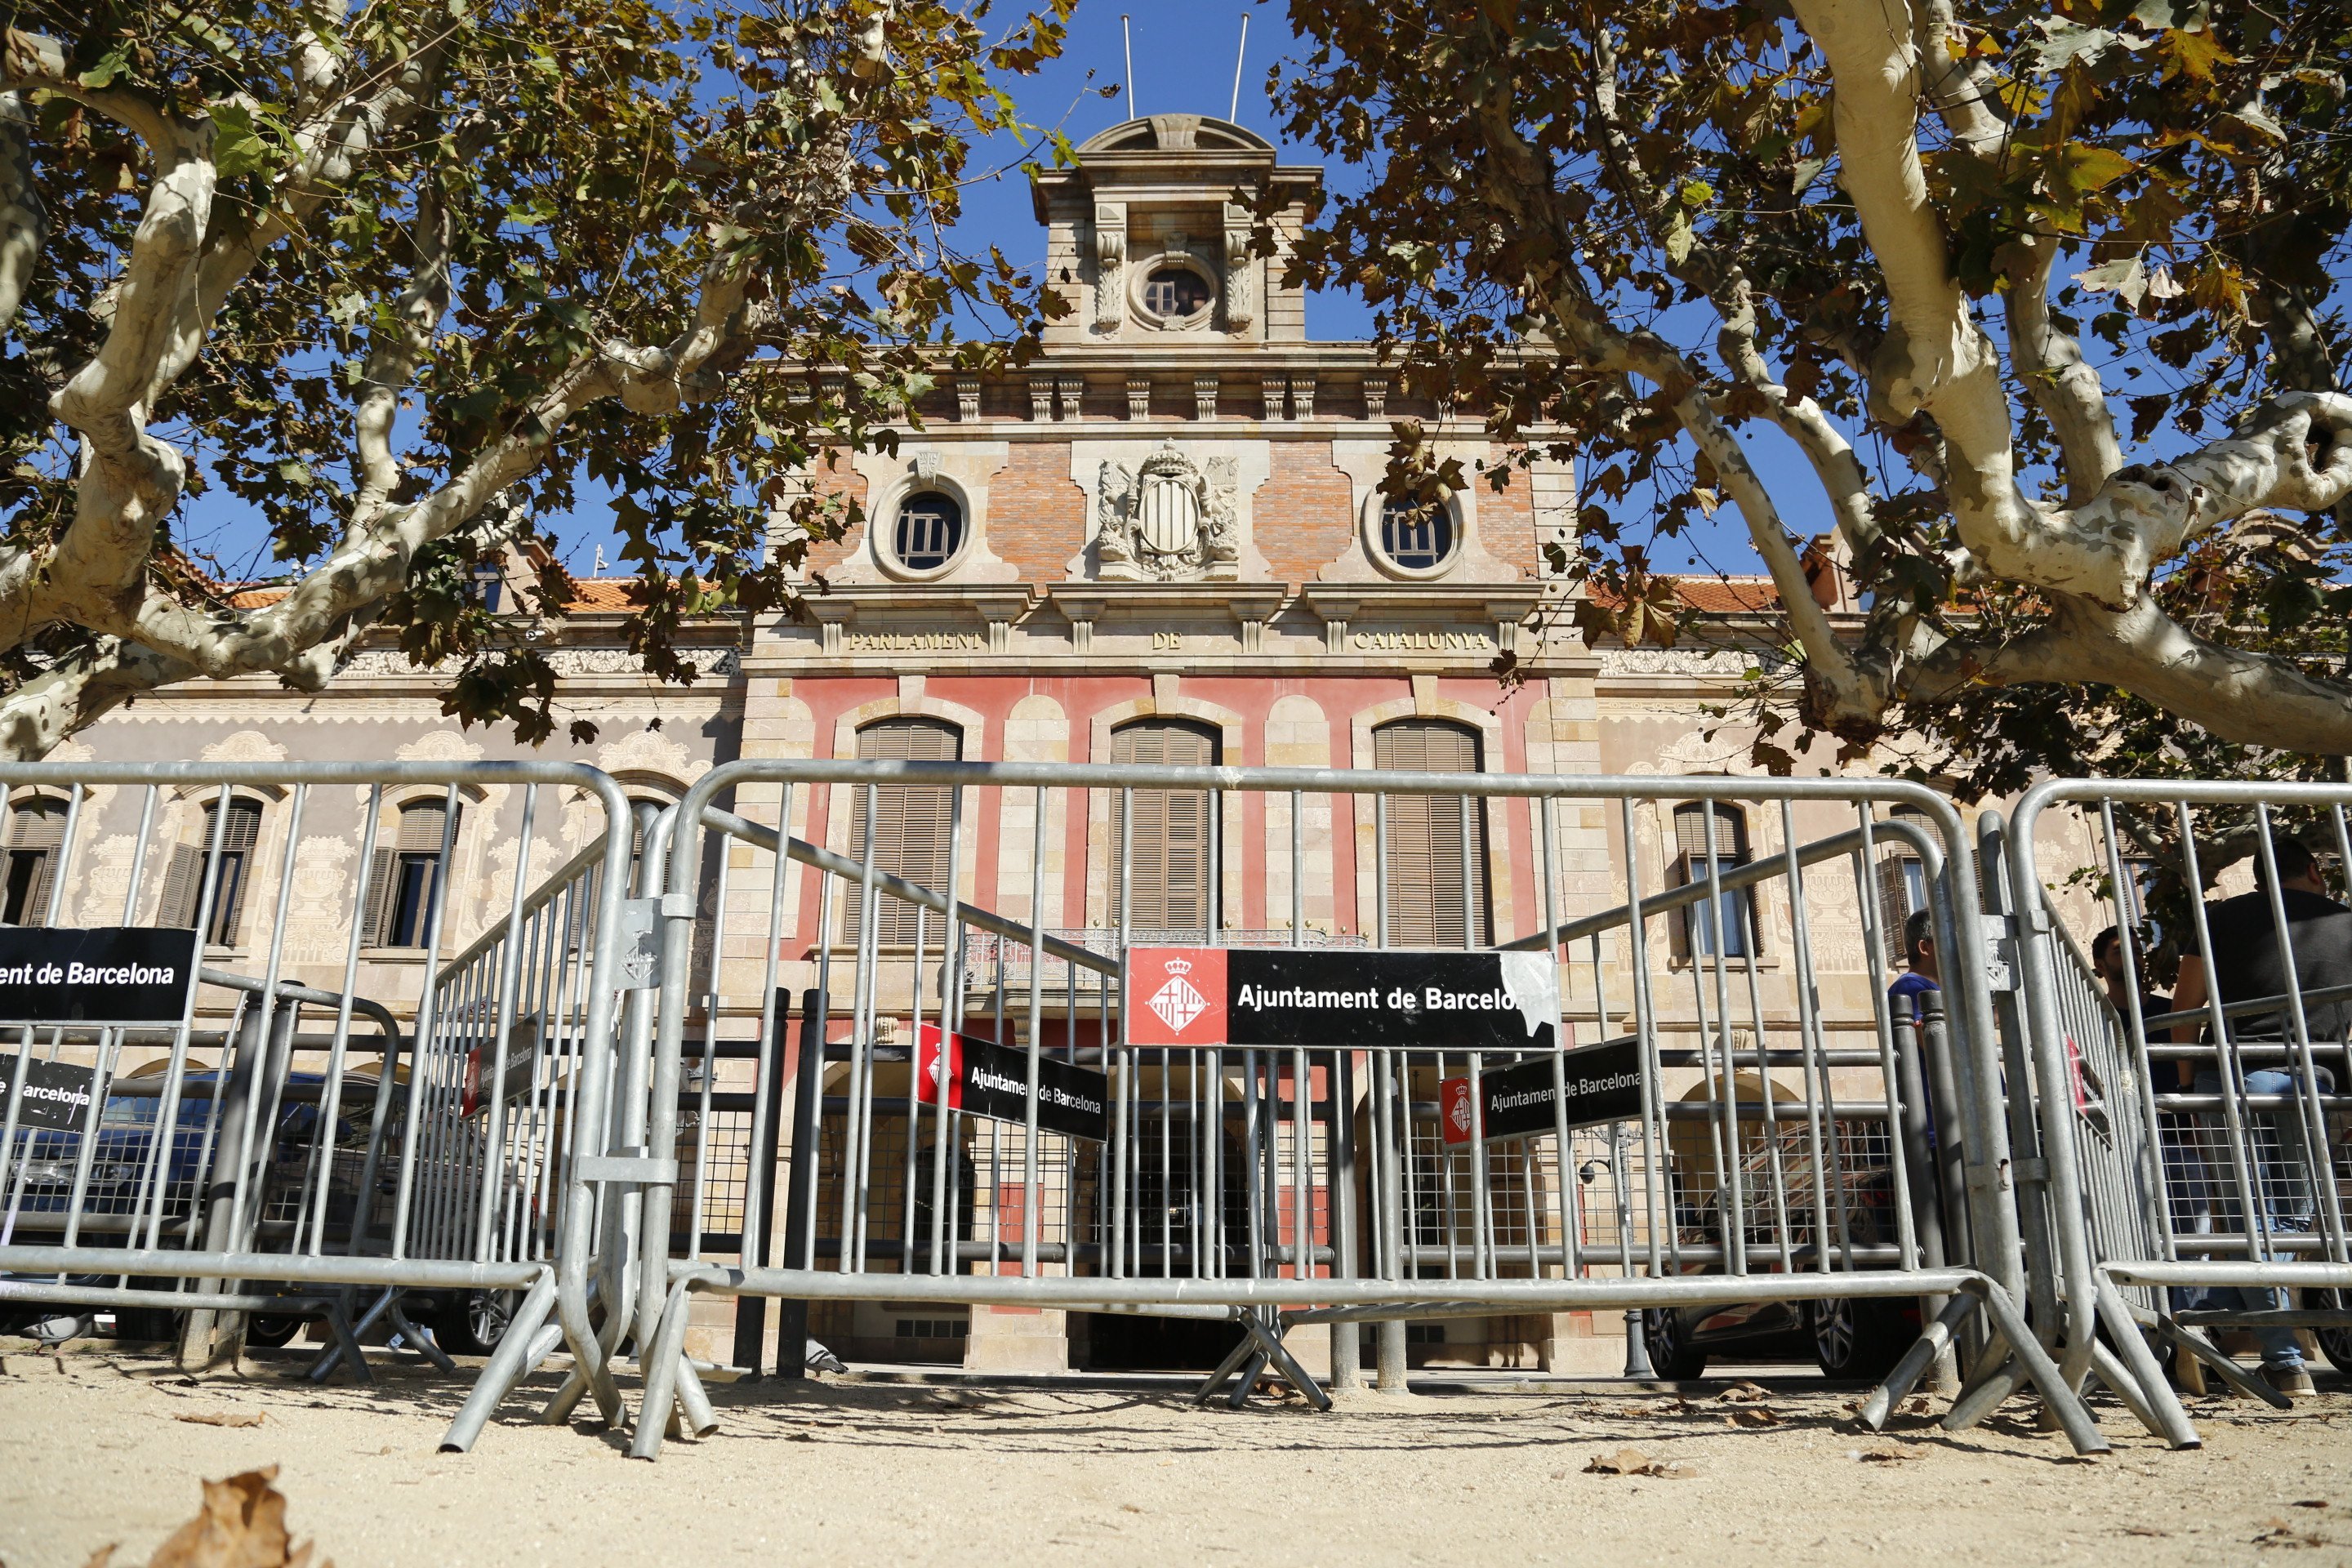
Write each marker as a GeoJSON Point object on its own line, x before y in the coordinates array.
{"type": "Point", "coordinates": [1172, 520]}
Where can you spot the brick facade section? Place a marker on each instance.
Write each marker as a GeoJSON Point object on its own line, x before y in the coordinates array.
{"type": "Point", "coordinates": [1507, 518]}
{"type": "Point", "coordinates": [844, 481]}
{"type": "Point", "coordinates": [1036, 513]}
{"type": "Point", "coordinates": [1304, 512]}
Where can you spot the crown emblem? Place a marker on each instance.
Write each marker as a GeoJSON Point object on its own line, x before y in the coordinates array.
{"type": "Point", "coordinates": [1179, 966]}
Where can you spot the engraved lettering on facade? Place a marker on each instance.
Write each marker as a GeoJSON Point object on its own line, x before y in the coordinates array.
{"type": "Point", "coordinates": [1422, 642]}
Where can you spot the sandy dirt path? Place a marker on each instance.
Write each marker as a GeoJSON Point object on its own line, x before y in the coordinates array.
{"type": "Point", "coordinates": [93, 1450]}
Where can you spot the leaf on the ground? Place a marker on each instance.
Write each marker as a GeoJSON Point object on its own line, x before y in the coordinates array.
{"type": "Point", "coordinates": [1633, 1462]}
{"type": "Point", "coordinates": [2144, 1529]}
{"type": "Point", "coordinates": [1753, 1416]}
{"type": "Point", "coordinates": [1917, 1405]}
{"type": "Point", "coordinates": [1887, 1456]}
{"type": "Point", "coordinates": [2279, 1532]}
{"type": "Point", "coordinates": [1744, 1392]}
{"type": "Point", "coordinates": [220, 1417]}
{"type": "Point", "coordinates": [2311, 1502]}
{"type": "Point", "coordinates": [241, 1525]}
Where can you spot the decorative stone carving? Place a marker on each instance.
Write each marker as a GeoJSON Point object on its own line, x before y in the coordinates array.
{"type": "Point", "coordinates": [1138, 399]}
{"type": "Point", "coordinates": [1169, 521]}
{"type": "Point", "coordinates": [966, 401]}
{"type": "Point", "coordinates": [1041, 399]}
{"type": "Point", "coordinates": [383, 663]}
{"type": "Point", "coordinates": [1302, 398]}
{"type": "Point", "coordinates": [1074, 391]}
{"type": "Point", "coordinates": [1241, 280]}
{"type": "Point", "coordinates": [1110, 265]}
{"type": "Point", "coordinates": [1204, 396]}
{"type": "Point", "coordinates": [1376, 397]}
{"type": "Point", "coordinates": [246, 746]}
{"type": "Point", "coordinates": [1673, 661]}
{"type": "Point", "coordinates": [923, 462]}
{"type": "Point", "coordinates": [1271, 390]}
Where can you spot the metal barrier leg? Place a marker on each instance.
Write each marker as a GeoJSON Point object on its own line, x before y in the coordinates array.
{"type": "Point", "coordinates": [1271, 1346]}
{"type": "Point", "coordinates": [1934, 1341]}
{"type": "Point", "coordinates": [661, 1361]}
{"type": "Point", "coordinates": [1245, 1351]}
{"type": "Point", "coordinates": [2064, 1402]}
{"type": "Point", "coordinates": [2207, 1354]}
{"type": "Point", "coordinates": [507, 1367]}
{"type": "Point", "coordinates": [2169, 1421]}
{"type": "Point", "coordinates": [694, 1408]}
{"type": "Point", "coordinates": [418, 1339]}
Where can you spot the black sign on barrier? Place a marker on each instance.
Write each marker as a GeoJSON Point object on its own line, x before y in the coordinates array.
{"type": "Point", "coordinates": [1351, 998]}
{"type": "Point", "coordinates": [55, 1094]}
{"type": "Point", "coordinates": [1603, 1082]}
{"type": "Point", "coordinates": [985, 1079]}
{"type": "Point", "coordinates": [106, 974]}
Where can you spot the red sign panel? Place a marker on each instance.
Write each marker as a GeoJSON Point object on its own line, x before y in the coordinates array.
{"type": "Point", "coordinates": [1179, 995]}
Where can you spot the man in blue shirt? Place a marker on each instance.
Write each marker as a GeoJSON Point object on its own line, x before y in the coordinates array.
{"type": "Point", "coordinates": [1920, 953]}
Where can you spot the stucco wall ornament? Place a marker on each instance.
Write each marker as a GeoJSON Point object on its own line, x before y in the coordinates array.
{"type": "Point", "coordinates": [1170, 519]}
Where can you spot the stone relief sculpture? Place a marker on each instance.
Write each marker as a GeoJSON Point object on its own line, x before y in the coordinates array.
{"type": "Point", "coordinates": [1172, 520]}
{"type": "Point", "coordinates": [1240, 293]}
{"type": "Point", "coordinates": [1110, 266]}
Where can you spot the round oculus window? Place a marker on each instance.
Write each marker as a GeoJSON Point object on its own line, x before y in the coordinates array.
{"type": "Point", "coordinates": [929, 531]}
{"type": "Point", "coordinates": [1414, 536]}
{"type": "Point", "coordinates": [1175, 293]}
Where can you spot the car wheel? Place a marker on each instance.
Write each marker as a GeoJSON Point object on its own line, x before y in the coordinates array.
{"type": "Point", "coordinates": [2334, 1343]}
{"type": "Point", "coordinates": [473, 1321]}
{"type": "Point", "coordinates": [271, 1331]}
{"type": "Point", "coordinates": [1857, 1340]}
{"type": "Point", "coordinates": [1672, 1355]}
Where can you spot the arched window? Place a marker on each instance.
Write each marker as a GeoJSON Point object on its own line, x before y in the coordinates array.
{"type": "Point", "coordinates": [910, 826]}
{"type": "Point", "coordinates": [1737, 913]}
{"type": "Point", "coordinates": [37, 836]}
{"type": "Point", "coordinates": [1415, 537]}
{"type": "Point", "coordinates": [1174, 870]}
{"type": "Point", "coordinates": [929, 531]}
{"type": "Point", "coordinates": [1434, 881]}
{"type": "Point", "coordinates": [407, 875]}
{"type": "Point", "coordinates": [193, 866]}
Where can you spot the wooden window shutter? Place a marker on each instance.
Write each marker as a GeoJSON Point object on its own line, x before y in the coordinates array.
{"type": "Point", "coordinates": [910, 826]}
{"type": "Point", "coordinates": [183, 881]}
{"type": "Point", "coordinates": [377, 913]}
{"type": "Point", "coordinates": [1171, 878]}
{"type": "Point", "coordinates": [1436, 886]}
{"type": "Point", "coordinates": [239, 842]}
{"type": "Point", "coordinates": [37, 826]}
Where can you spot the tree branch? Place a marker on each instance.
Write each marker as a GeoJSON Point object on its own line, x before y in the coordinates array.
{"type": "Point", "coordinates": [24, 223]}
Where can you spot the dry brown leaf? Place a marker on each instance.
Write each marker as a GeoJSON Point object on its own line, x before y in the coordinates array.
{"type": "Point", "coordinates": [1886, 1456]}
{"type": "Point", "coordinates": [220, 1417]}
{"type": "Point", "coordinates": [1756, 1415]}
{"type": "Point", "coordinates": [2279, 1532]}
{"type": "Point", "coordinates": [241, 1525]}
{"type": "Point", "coordinates": [2311, 1502]}
{"type": "Point", "coordinates": [1743, 1392]}
{"type": "Point", "coordinates": [1916, 1406]}
{"type": "Point", "coordinates": [2144, 1529]}
{"type": "Point", "coordinates": [1633, 1462]}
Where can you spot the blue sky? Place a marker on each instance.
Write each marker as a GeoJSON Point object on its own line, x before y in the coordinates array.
{"type": "Point", "coordinates": [1184, 58]}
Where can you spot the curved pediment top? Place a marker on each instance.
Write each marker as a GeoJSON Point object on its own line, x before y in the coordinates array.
{"type": "Point", "coordinates": [1176, 133]}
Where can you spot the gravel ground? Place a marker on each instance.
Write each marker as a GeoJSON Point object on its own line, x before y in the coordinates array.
{"type": "Point", "coordinates": [101, 1447]}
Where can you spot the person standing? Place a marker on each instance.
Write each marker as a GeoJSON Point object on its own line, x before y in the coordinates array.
{"type": "Point", "coordinates": [2246, 963]}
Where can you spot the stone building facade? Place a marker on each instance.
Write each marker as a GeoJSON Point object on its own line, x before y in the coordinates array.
{"type": "Point", "coordinates": [1164, 538]}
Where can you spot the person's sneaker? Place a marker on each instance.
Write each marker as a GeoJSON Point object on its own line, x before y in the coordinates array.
{"type": "Point", "coordinates": [2289, 1379]}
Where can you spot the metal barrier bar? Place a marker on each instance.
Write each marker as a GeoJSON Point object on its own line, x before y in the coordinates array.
{"type": "Point", "coordinates": [1776, 1212]}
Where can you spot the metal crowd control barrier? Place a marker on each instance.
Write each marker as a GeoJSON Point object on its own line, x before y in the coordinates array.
{"type": "Point", "coordinates": [258, 1160]}
{"type": "Point", "coordinates": [2195, 1172]}
{"type": "Point", "coordinates": [1781, 1157]}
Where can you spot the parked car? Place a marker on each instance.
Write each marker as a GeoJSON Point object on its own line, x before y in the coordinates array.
{"type": "Point", "coordinates": [121, 1190]}
{"type": "Point", "coordinates": [1859, 1340]}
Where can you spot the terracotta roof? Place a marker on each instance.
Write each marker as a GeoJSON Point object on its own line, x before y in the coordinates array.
{"type": "Point", "coordinates": [596, 594]}
{"type": "Point", "coordinates": [1716, 595]}
{"type": "Point", "coordinates": [1726, 596]}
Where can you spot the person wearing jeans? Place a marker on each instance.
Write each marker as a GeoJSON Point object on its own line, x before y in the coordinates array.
{"type": "Point", "coordinates": [2278, 1164]}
